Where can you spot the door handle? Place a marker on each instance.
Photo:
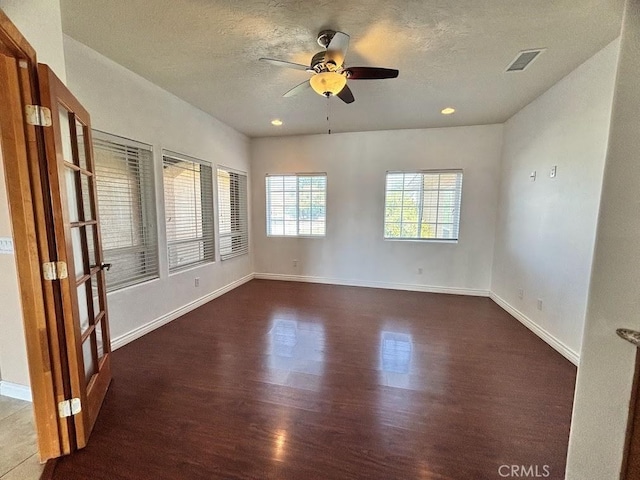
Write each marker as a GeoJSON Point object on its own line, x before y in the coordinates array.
{"type": "Point", "coordinates": [631, 336]}
{"type": "Point", "coordinates": [105, 266]}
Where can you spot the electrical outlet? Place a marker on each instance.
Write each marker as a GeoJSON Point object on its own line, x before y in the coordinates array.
{"type": "Point", "coordinates": [419, 270]}
{"type": "Point", "coordinates": [197, 282]}
{"type": "Point", "coordinates": [553, 172]}
{"type": "Point", "coordinates": [6, 245]}
{"type": "Point", "coordinates": [532, 176]}
{"type": "Point", "coordinates": [520, 293]}
{"type": "Point", "coordinates": [295, 263]}
{"type": "Point", "coordinates": [539, 304]}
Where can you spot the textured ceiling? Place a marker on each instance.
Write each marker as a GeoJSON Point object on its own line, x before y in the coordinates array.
{"type": "Point", "coordinates": [449, 52]}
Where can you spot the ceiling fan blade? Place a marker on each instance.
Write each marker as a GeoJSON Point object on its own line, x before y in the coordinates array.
{"type": "Point", "coordinates": [370, 73]}
{"type": "Point", "coordinates": [346, 95]}
{"type": "Point", "coordinates": [282, 63]}
{"type": "Point", "coordinates": [337, 48]}
{"type": "Point", "coordinates": [298, 89]}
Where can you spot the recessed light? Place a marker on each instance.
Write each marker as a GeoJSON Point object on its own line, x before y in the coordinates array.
{"type": "Point", "coordinates": [276, 122]}
{"type": "Point", "coordinates": [448, 111]}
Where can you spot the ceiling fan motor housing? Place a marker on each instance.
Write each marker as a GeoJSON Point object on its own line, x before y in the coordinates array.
{"type": "Point", "coordinates": [324, 37]}
{"type": "Point", "coordinates": [319, 63]}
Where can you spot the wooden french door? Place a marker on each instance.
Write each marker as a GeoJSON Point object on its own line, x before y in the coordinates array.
{"type": "Point", "coordinates": [70, 165]}
{"type": "Point", "coordinates": [631, 464]}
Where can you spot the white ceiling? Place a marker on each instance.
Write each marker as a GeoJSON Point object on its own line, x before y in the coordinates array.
{"type": "Point", "coordinates": [449, 52]}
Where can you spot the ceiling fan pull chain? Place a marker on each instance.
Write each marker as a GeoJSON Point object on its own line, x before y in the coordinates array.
{"type": "Point", "coordinates": [328, 115]}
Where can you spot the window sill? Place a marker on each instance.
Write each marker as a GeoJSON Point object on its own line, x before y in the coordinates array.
{"type": "Point", "coordinates": [188, 268]}
{"type": "Point", "coordinates": [296, 236]}
{"type": "Point", "coordinates": [129, 286]}
{"type": "Point", "coordinates": [233, 255]}
{"type": "Point", "coordinates": [421, 240]}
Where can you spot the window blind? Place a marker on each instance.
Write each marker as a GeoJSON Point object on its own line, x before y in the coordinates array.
{"type": "Point", "coordinates": [188, 202]}
{"type": "Point", "coordinates": [296, 204]}
{"type": "Point", "coordinates": [233, 221]}
{"type": "Point", "coordinates": [127, 209]}
{"type": "Point", "coordinates": [423, 205]}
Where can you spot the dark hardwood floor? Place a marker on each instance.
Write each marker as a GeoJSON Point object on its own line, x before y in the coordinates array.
{"type": "Point", "coordinates": [279, 380]}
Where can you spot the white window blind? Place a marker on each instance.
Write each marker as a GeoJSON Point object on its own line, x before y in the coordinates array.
{"type": "Point", "coordinates": [127, 209]}
{"type": "Point", "coordinates": [423, 205]}
{"type": "Point", "coordinates": [296, 204]}
{"type": "Point", "coordinates": [188, 203]}
{"type": "Point", "coordinates": [233, 221]}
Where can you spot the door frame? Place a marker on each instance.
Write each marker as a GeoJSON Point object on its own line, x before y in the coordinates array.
{"type": "Point", "coordinates": [631, 456]}
{"type": "Point", "coordinates": [28, 195]}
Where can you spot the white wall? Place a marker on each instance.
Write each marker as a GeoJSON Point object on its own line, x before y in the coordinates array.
{"type": "Point", "coordinates": [13, 349]}
{"type": "Point", "coordinates": [39, 22]}
{"type": "Point", "coordinates": [546, 229]}
{"type": "Point", "coordinates": [123, 103]}
{"type": "Point", "coordinates": [607, 362]}
{"type": "Point", "coordinates": [353, 250]}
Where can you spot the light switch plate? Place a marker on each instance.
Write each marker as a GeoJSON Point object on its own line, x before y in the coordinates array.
{"type": "Point", "coordinates": [6, 245]}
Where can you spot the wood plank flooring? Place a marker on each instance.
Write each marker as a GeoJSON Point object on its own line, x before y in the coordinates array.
{"type": "Point", "coordinates": [279, 380]}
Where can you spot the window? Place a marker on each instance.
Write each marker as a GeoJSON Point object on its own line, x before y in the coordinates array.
{"type": "Point", "coordinates": [127, 209]}
{"type": "Point", "coordinates": [296, 204]}
{"type": "Point", "coordinates": [232, 213]}
{"type": "Point", "coordinates": [423, 205]}
{"type": "Point", "coordinates": [188, 204]}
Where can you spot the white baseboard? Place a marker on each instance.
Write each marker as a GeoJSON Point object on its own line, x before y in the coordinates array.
{"type": "Point", "coordinates": [15, 390]}
{"type": "Point", "coordinates": [413, 287]}
{"type": "Point", "coordinates": [23, 392]}
{"type": "Point", "coordinates": [555, 343]}
{"type": "Point", "coordinates": [138, 332]}
{"type": "Point", "coordinates": [550, 339]}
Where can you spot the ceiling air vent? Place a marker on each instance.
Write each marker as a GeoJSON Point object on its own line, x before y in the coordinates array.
{"type": "Point", "coordinates": [524, 59]}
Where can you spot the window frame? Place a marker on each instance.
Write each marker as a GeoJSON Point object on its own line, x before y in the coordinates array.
{"type": "Point", "coordinates": [230, 170]}
{"type": "Point", "coordinates": [421, 206]}
{"type": "Point", "coordinates": [297, 175]}
{"type": "Point", "coordinates": [181, 157]}
{"type": "Point", "coordinates": [148, 215]}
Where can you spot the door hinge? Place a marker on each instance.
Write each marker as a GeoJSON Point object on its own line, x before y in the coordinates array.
{"type": "Point", "coordinates": [54, 270]}
{"type": "Point", "coordinates": [67, 408]}
{"type": "Point", "coordinates": [38, 116]}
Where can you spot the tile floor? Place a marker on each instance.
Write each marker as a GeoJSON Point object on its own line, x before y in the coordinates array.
{"type": "Point", "coordinates": [18, 450]}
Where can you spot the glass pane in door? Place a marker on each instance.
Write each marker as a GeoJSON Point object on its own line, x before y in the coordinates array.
{"type": "Point", "coordinates": [67, 152]}
{"type": "Point", "coordinates": [83, 307]}
{"type": "Point", "coordinates": [86, 197]}
{"type": "Point", "coordinates": [96, 296]}
{"type": "Point", "coordinates": [100, 340]}
{"type": "Point", "coordinates": [72, 194]}
{"type": "Point", "coordinates": [78, 257]}
{"type": "Point", "coordinates": [88, 357]}
{"type": "Point", "coordinates": [91, 244]}
{"type": "Point", "coordinates": [82, 155]}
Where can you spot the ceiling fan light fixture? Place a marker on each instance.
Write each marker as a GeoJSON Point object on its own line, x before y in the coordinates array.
{"type": "Point", "coordinates": [328, 83]}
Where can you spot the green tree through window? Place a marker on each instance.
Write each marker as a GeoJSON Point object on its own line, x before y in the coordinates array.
{"type": "Point", "coordinates": [423, 205]}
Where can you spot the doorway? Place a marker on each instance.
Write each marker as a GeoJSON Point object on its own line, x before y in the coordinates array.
{"type": "Point", "coordinates": [48, 167]}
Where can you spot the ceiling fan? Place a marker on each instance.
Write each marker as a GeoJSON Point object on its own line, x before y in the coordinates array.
{"type": "Point", "coordinates": [329, 72]}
